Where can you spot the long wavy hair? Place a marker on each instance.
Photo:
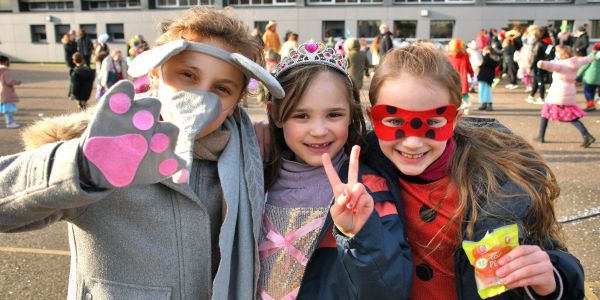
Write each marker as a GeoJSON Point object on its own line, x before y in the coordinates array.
{"type": "Point", "coordinates": [484, 157]}
{"type": "Point", "coordinates": [295, 82]}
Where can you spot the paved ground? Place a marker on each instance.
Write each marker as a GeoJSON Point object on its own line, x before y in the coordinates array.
{"type": "Point", "coordinates": [34, 265]}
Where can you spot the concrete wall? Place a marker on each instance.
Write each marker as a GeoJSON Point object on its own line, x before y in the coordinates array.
{"type": "Point", "coordinates": [15, 37]}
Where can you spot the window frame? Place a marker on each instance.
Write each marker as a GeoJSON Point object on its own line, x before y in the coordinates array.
{"type": "Point", "coordinates": [113, 39]}
{"type": "Point", "coordinates": [33, 33]}
{"type": "Point", "coordinates": [441, 38]}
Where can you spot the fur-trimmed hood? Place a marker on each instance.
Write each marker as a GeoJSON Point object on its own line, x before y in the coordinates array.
{"type": "Point", "coordinates": [54, 129]}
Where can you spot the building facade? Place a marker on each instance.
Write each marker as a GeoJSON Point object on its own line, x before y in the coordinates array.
{"type": "Point", "coordinates": [30, 30]}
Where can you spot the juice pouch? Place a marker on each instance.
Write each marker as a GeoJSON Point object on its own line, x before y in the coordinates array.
{"type": "Point", "coordinates": [484, 255]}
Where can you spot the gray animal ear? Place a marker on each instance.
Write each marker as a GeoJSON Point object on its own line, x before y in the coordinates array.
{"type": "Point", "coordinates": [257, 72]}
{"type": "Point", "coordinates": [150, 59]}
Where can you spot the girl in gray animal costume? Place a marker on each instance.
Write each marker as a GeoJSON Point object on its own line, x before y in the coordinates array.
{"type": "Point", "coordinates": [135, 234]}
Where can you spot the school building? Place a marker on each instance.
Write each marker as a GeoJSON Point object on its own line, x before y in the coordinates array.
{"type": "Point", "coordinates": [30, 30]}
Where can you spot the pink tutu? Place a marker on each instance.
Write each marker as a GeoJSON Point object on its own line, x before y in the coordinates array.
{"type": "Point", "coordinates": [564, 113]}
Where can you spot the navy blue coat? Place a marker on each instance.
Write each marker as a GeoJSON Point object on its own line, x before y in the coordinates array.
{"type": "Point", "coordinates": [374, 264]}
{"type": "Point", "coordinates": [495, 213]}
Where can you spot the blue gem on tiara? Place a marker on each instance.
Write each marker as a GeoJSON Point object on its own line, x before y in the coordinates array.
{"type": "Point", "coordinates": [313, 52]}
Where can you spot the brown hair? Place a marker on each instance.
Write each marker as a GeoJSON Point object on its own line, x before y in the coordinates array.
{"type": "Point", "coordinates": [295, 82]}
{"type": "Point", "coordinates": [211, 23]}
{"type": "Point", "coordinates": [567, 50]}
{"type": "Point", "coordinates": [484, 157]}
{"type": "Point", "coordinates": [78, 58]}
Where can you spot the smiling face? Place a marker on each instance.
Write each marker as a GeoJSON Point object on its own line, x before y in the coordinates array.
{"type": "Point", "coordinates": [193, 70]}
{"type": "Point", "coordinates": [413, 154]}
{"type": "Point", "coordinates": [319, 123]}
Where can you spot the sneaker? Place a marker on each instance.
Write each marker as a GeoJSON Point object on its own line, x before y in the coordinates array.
{"type": "Point", "coordinates": [527, 89]}
{"type": "Point", "coordinates": [597, 99]}
{"type": "Point", "coordinates": [589, 109]}
{"type": "Point", "coordinates": [511, 86]}
{"type": "Point", "coordinates": [539, 101]}
{"type": "Point", "coordinates": [13, 125]}
{"type": "Point", "coordinates": [530, 99]}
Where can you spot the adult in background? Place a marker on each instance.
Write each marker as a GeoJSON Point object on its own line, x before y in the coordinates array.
{"type": "Point", "coordinates": [271, 37]}
{"type": "Point", "coordinates": [357, 61]}
{"type": "Point", "coordinates": [113, 69]}
{"type": "Point", "coordinates": [289, 45]}
{"type": "Point", "coordinates": [564, 36]}
{"type": "Point", "coordinates": [582, 42]}
{"type": "Point", "coordinates": [85, 46]}
{"type": "Point", "coordinates": [385, 39]}
{"type": "Point", "coordinates": [82, 81]}
{"type": "Point", "coordinates": [542, 50]}
{"type": "Point", "coordinates": [102, 45]}
{"type": "Point", "coordinates": [70, 47]}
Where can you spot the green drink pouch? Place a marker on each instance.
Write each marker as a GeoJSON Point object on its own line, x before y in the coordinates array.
{"type": "Point", "coordinates": [484, 255]}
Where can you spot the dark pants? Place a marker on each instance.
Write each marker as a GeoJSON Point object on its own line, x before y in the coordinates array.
{"type": "Point", "coordinates": [541, 76]}
{"type": "Point", "coordinates": [511, 71]}
{"type": "Point", "coordinates": [589, 91]}
{"type": "Point", "coordinates": [580, 127]}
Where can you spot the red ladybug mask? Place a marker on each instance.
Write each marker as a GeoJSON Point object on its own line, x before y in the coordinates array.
{"type": "Point", "coordinates": [393, 123]}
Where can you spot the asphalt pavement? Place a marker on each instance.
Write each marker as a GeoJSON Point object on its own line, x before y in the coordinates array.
{"type": "Point", "coordinates": [35, 265]}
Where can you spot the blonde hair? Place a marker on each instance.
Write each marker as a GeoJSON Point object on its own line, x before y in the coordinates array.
{"type": "Point", "coordinates": [65, 38]}
{"type": "Point", "coordinates": [566, 50]}
{"type": "Point", "coordinates": [484, 157]}
{"type": "Point", "coordinates": [295, 82]}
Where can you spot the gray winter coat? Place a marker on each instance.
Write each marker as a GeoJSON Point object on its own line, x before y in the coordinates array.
{"type": "Point", "coordinates": [143, 242]}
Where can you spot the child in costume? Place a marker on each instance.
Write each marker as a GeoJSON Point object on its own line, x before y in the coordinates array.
{"type": "Point", "coordinates": [8, 96]}
{"type": "Point", "coordinates": [457, 178]}
{"type": "Point", "coordinates": [561, 101]}
{"type": "Point", "coordinates": [135, 234]}
{"type": "Point", "coordinates": [485, 76]}
{"type": "Point", "coordinates": [460, 61]}
{"type": "Point", "coordinates": [590, 75]}
{"type": "Point", "coordinates": [324, 240]}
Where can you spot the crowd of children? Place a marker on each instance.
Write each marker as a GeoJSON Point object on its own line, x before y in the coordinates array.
{"type": "Point", "coordinates": [167, 195]}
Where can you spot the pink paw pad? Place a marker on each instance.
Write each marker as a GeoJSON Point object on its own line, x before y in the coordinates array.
{"type": "Point", "coordinates": [119, 103]}
{"type": "Point", "coordinates": [168, 167]}
{"type": "Point", "coordinates": [159, 142]}
{"type": "Point", "coordinates": [143, 120]}
{"type": "Point", "coordinates": [117, 158]}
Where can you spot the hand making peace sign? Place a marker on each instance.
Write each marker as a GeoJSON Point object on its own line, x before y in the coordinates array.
{"type": "Point", "coordinates": [353, 205]}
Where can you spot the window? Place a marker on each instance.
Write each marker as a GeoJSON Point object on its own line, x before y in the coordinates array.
{"type": "Point", "coordinates": [343, 2]}
{"type": "Point", "coordinates": [368, 29]}
{"type": "Point", "coordinates": [183, 3]}
{"type": "Point", "coordinates": [90, 30]}
{"type": "Point", "coordinates": [112, 4]}
{"type": "Point", "coordinates": [441, 29]}
{"type": "Point", "coordinates": [116, 32]}
{"type": "Point", "coordinates": [40, 6]}
{"type": "Point", "coordinates": [60, 30]}
{"type": "Point", "coordinates": [333, 28]}
{"type": "Point", "coordinates": [595, 32]}
{"type": "Point", "coordinates": [406, 29]}
{"type": "Point", "coordinates": [38, 33]}
{"type": "Point", "coordinates": [262, 2]}
{"type": "Point", "coordinates": [261, 26]}
{"type": "Point", "coordinates": [557, 24]}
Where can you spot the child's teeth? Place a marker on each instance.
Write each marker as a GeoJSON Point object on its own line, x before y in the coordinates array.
{"type": "Point", "coordinates": [412, 156]}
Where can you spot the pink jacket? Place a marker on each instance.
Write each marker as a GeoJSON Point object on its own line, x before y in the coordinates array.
{"type": "Point", "coordinates": [563, 91]}
{"type": "Point", "coordinates": [7, 86]}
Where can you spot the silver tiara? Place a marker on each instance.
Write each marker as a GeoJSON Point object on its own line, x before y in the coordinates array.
{"type": "Point", "coordinates": [312, 52]}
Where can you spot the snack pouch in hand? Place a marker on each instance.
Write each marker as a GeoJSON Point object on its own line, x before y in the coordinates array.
{"type": "Point", "coordinates": [484, 255]}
